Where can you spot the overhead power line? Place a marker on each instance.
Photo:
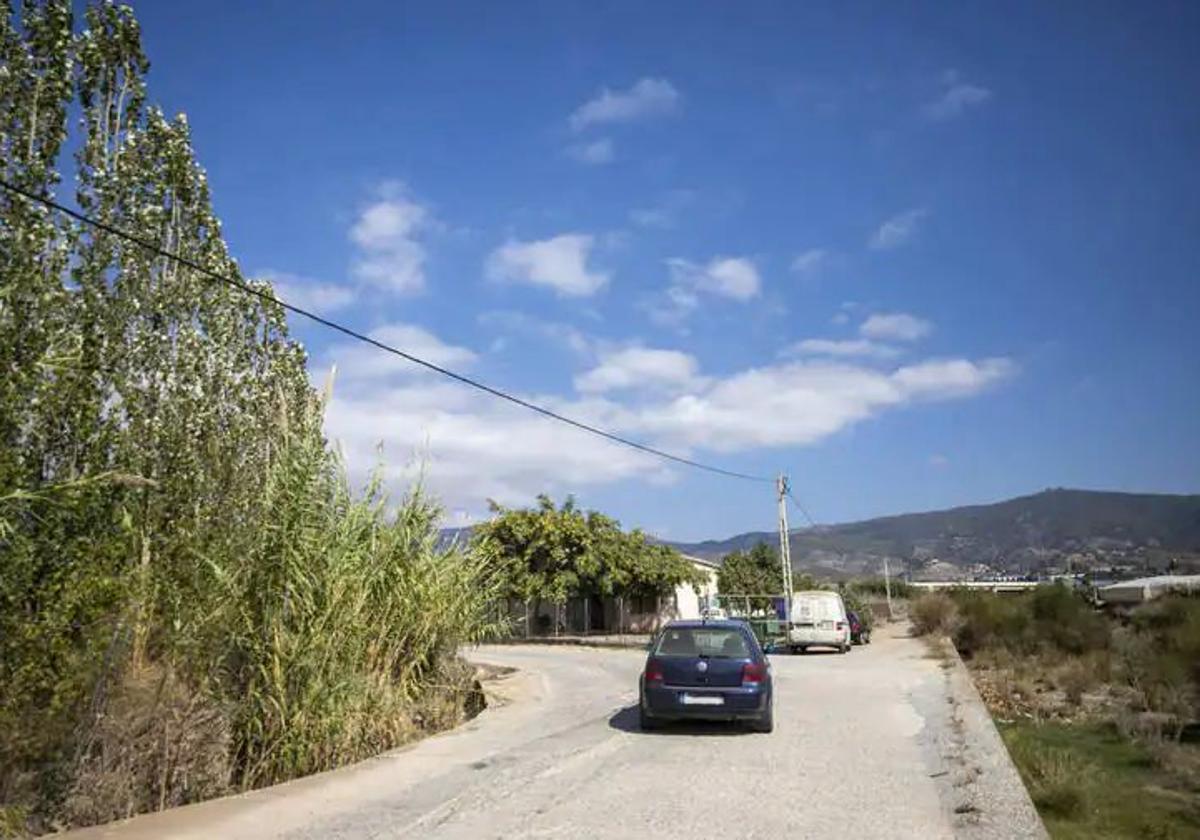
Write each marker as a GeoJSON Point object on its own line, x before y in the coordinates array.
{"type": "Point", "coordinates": [801, 508]}
{"type": "Point", "coordinates": [366, 339]}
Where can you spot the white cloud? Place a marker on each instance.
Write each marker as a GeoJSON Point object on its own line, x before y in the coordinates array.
{"type": "Point", "coordinates": [897, 230]}
{"type": "Point", "coordinates": [939, 461]}
{"type": "Point", "coordinates": [736, 278]}
{"type": "Point", "coordinates": [478, 447]}
{"type": "Point", "coordinates": [359, 363]}
{"type": "Point", "coordinates": [847, 348]}
{"type": "Point", "coordinates": [307, 293]}
{"type": "Point", "coordinates": [469, 447]}
{"type": "Point", "coordinates": [956, 97]}
{"type": "Point", "coordinates": [895, 326]}
{"type": "Point", "coordinates": [595, 153]}
{"type": "Point", "coordinates": [559, 263]}
{"type": "Point", "coordinates": [810, 261]}
{"type": "Point", "coordinates": [641, 367]}
{"type": "Point", "coordinates": [647, 98]}
{"type": "Point", "coordinates": [731, 277]}
{"type": "Point", "coordinates": [943, 378]}
{"type": "Point", "coordinates": [803, 402]}
{"type": "Point", "coordinates": [386, 232]}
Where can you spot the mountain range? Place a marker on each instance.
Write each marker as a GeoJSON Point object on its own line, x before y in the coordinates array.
{"type": "Point", "coordinates": [1052, 530]}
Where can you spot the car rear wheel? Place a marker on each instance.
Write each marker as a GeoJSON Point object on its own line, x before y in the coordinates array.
{"type": "Point", "coordinates": [766, 723]}
{"type": "Point", "coordinates": [645, 722]}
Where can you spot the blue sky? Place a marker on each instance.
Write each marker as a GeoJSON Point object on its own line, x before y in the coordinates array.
{"type": "Point", "coordinates": [914, 257]}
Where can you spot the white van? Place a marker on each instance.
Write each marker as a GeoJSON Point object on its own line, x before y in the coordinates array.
{"type": "Point", "coordinates": [818, 620]}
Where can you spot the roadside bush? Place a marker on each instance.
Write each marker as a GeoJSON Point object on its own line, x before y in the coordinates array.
{"type": "Point", "coordinates": [934, 613]}
{"type": "Point", "coordinates": [1080, 674]}
{"type": "Point", "coordinates": [1064, 620]}
{"type": "Point", "coordinates": [1159, 657]}
{"type": "Point", "coordinates": [990, 621]}
{"type": "Point", "coordinates": [160, 743]}
{"type": "Point", "coordinates": [1049, 618]}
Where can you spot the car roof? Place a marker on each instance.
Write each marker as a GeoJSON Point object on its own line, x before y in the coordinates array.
{"type": "Point", "coordinates": [689, 623]}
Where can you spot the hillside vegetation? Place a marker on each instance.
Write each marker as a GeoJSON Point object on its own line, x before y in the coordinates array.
{"type": "Point", "coordinates": [1024, 532]}
{"type": "Point", "coordinates": [192, 600]}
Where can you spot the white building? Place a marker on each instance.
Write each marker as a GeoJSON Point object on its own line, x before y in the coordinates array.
{"type": "Point", "coordinates": [690, 601]}
{"type": "Point", "coordinates": [1143, 589]}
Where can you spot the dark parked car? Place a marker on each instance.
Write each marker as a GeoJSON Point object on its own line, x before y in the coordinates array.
{"type": "Point", "coordinates": [706, 670]}
{"type": "Point", "coordinates": [860, 633]}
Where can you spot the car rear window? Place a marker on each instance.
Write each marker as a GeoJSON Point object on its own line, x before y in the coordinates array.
{"type": "Point", "coordinates": [711, 642]}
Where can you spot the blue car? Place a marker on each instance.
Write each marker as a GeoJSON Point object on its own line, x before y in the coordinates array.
{"type": "Point", "coordinates": [706, 670]}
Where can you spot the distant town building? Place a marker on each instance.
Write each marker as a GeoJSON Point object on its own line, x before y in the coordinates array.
{"type": "Point", "coordinates": [1138, 590]}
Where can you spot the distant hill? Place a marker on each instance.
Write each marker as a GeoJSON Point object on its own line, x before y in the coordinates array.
{"type": "Point", "coordinates": [1028, 533]}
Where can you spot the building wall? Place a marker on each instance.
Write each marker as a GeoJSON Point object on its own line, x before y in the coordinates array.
{"type": "Point", "coordinates": [606, 615]}
{"type": "Point", "coordinates": [689, 603]}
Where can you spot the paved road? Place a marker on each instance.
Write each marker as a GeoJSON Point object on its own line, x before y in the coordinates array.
{"type": "Point", "coordinates": [869, 744]}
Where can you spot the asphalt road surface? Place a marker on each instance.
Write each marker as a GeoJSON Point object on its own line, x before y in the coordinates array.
{"type": "Point", "coordinates": [881, 742]}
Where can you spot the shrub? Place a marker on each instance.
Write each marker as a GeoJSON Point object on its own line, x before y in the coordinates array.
{"type": "Point", "coordinates": [160, 743]}
{"type": "Point", "coordinates": [934, 613]}
{"type": "Point", "coordinates": [991, 621]}
{"type": "Point", "coordinates": [1064, 620]}
{"type": "Point", "coordinates": [1159, 657]}
{"type": "Point", "coordinates": [1049, 618]}
{"type": "Point", "coordinates": [1077, 676]}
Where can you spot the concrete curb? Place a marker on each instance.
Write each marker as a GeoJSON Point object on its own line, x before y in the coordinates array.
{"type": "Point", "coordinates": [991, 799]}
{"type": "Point", "coordinates": [575, 641]}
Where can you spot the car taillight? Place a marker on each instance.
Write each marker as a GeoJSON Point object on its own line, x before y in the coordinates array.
{"type": "Point", "coordinates": [841, 625]}
{"type": "Point", "coordinates": [753, 673]}
{"type": "Point", "coordinates": [654, 672]}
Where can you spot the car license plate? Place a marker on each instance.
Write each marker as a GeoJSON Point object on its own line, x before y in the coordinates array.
{"type": "Point", "coordinates": [701, 700]}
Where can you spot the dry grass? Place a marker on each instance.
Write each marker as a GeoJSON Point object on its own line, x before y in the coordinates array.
{"type": "Point", "coordinates": [934, 613]}
{"type": "Point", "coordinates": [159, 744]}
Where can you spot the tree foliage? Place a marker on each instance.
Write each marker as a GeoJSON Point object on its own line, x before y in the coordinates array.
{"type": "Point", "coordinates": [167, 500]}
{"type": "Point", "coordinates": [553, 553]}
{"type": "Point", "coordinates": [753, 572]}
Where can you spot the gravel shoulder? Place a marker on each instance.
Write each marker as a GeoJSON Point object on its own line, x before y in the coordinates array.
{"type": "Point", "coordinates": [881, 742]}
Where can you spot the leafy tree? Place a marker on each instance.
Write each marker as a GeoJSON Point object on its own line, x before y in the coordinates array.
{"type": "Point", "coordinates": [168, 504]}
{"type": "Point", "coordinates": [754, 572]}
{"type": "Point", "coordinates": [550, 553]}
